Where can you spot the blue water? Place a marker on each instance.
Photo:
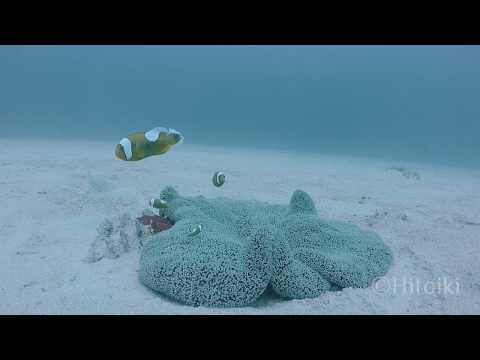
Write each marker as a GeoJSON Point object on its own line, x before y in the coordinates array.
{"type": "Point", "coordinates": [397, 102]}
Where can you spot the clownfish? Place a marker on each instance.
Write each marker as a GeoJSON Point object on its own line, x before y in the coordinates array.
{"type": "Point", "coordinates": [196, 230]}
{"type": "Point", "coordinates": [218, 178]}
{"type": "Point", "coordinates": [139, 145]}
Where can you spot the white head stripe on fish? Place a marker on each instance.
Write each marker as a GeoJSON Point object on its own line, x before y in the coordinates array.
{"type": "Point", "coordinates": [153, 134]}
{"type": "Point", "coordinates": [127, 148]}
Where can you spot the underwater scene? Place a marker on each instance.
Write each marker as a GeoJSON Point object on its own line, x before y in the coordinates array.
{"type": "Point", "coordinates": [239, 179]}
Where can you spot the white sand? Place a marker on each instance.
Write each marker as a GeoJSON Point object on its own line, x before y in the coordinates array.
{"type": "Point", "coordinates": [54, 194]}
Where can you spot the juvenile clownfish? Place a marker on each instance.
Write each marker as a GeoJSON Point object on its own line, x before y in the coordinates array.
{"type": "Point", "coordinates": [218, 178]}
{"type": "Point", "coordinates": [196, 230]}
{"type": "Point", "coordinates": [139, 145]}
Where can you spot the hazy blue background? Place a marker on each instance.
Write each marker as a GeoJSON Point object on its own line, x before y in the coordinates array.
{"type": "Point", "coordinates": [402, 102]}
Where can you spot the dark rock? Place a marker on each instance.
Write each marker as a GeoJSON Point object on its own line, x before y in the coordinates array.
{"type": "Point", "coordinates": [155, 222]}
{"type": "Point", "coordinates": [406, 172]}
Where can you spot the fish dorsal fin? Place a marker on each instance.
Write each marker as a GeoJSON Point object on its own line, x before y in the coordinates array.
{"type": "Point", "coordinates": [175, 132]}
{"type": "Point", "coordinates": [153, 134]}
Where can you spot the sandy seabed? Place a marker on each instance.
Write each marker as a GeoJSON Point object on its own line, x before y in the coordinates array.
{"type": "Point", "coordinates": [54, 194]}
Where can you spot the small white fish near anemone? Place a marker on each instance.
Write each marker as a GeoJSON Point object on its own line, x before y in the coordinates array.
{"type": "Point", "coordinates": [196, 230]}
{"type": "Point", "coordinates": [218, 178]}
{"type": "Point", "coordinates": [158, 203]}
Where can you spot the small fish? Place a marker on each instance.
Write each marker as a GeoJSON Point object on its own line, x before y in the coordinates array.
{"type": "Point", "coordinates": [140, 145]}
{"type": "Point", "coordinates": [196, 230]}
{"type": "Point", "coordinates": [158, 204]}
{"type": "Point", "coordinates": [218, 179]}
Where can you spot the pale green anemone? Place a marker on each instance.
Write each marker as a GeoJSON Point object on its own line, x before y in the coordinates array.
{"type": "Point", "coordinates": [243, 247]}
